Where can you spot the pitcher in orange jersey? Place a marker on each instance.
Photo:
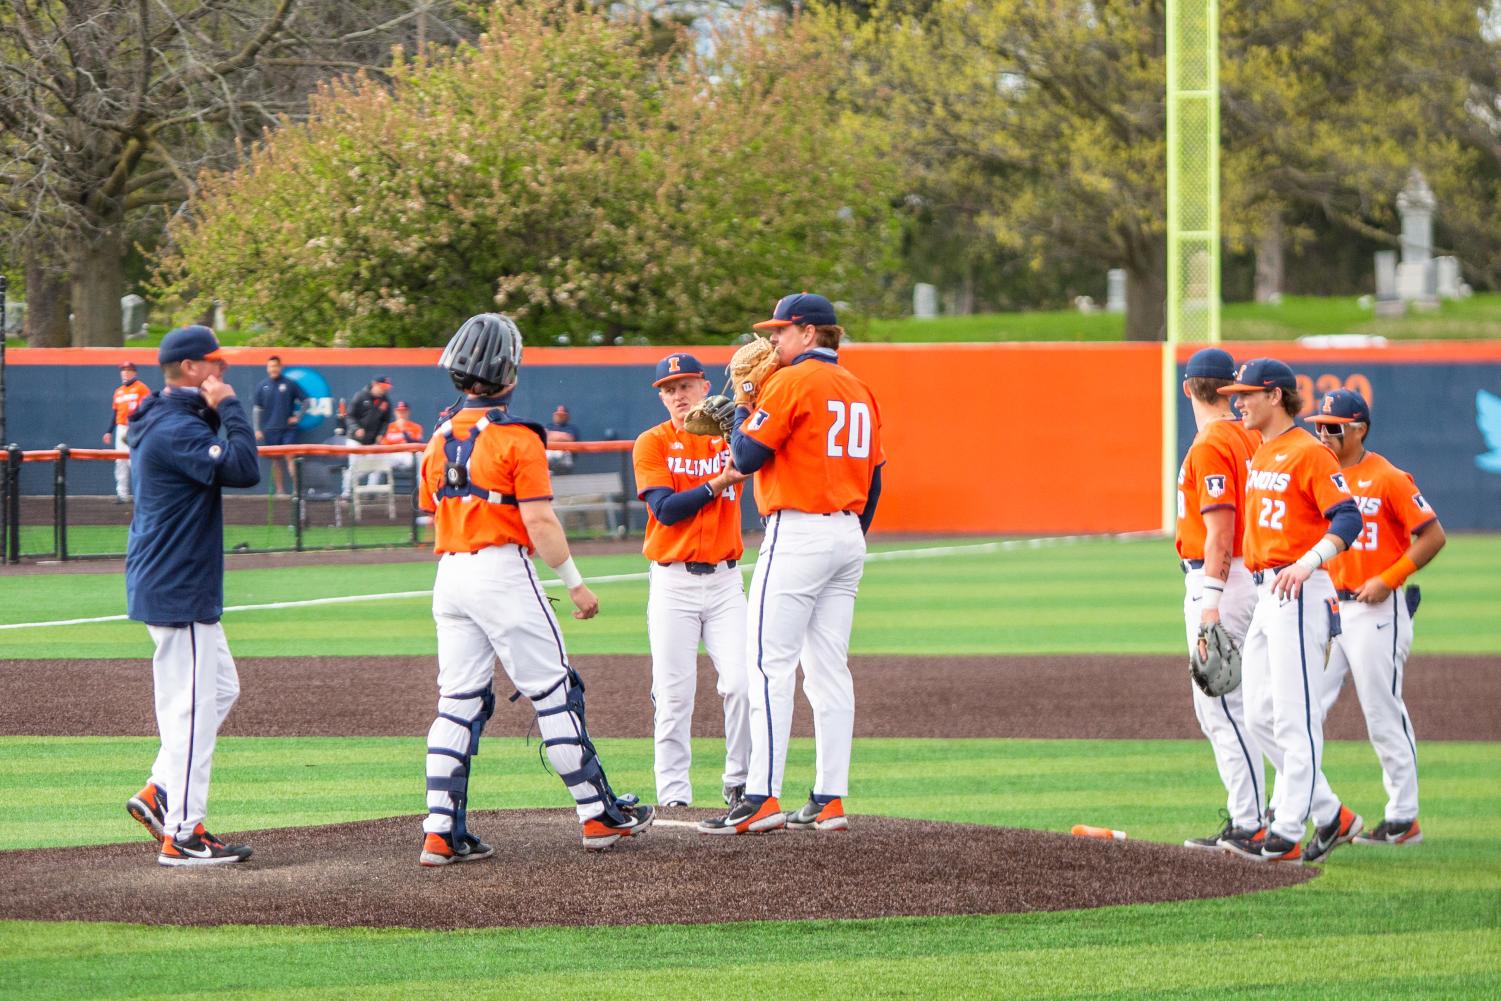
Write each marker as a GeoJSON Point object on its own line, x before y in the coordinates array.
{"type": "Point", "coordinates": [1399, 533]}
{"type": "Point", "coordinates": [693, 543]}
{"type": "Point", "coordinates": [1299, 515]}
{"type": "Point", "coordinates": [128, 396]}
{"type": "Point", "coordinates": [813, 440]}
{"type": "Point", "coordinates": [1217, 586]}
{"type": "Point", "coordinates": [484, 478]}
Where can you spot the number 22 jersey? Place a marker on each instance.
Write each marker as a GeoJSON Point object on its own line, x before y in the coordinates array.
{"type": "Point", "coordinates": [1293, 485]}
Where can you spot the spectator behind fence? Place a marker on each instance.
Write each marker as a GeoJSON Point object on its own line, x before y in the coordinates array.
{"type": "Point", "coordinates": [370, 412]}
{"type": "Point", "coordinates": [403, 430]}
{"type": "Point", "coordinates": [278, 407]}
{"type": "Point", "coordinates": [561, 430]}
{"type": "Point", "coordinates": [128, 396]}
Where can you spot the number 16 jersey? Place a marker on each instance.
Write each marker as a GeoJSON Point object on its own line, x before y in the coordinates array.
{"type": "Point", "coordinates": [824, 427]}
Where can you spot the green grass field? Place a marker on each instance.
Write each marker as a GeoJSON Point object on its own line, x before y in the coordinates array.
{"type": "Point", "coordinates": [1419, 922]}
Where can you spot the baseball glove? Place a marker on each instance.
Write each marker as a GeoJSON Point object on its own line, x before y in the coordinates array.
{"type": "Point", "coordinates": [1214, 664]}
{"type": "Point", "coordinates": [713, 415]}
{"type": "Point", "coordinates": [750, 367]}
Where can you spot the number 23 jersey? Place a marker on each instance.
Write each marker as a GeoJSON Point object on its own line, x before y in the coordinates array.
{"type": "Point", "coordinates": [824, 427]}
{"type": "Point", "coordinates": [1293, 484]}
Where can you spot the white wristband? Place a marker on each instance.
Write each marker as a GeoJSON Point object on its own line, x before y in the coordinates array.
{"type": "Point", "coordinates": [1213, 589]}
{"type": "Point", "coordinates": [569, 574]}
{"type": "Point", "coordinates": [1324, 550]}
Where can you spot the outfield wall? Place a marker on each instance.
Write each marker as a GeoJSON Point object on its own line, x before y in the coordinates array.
{"type": "Point", "coordinates": [980, 438]}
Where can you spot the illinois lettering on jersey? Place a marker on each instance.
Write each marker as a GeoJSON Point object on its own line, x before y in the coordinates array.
{"type": "Point", "coordinates": [1213, 477]}
{"type": "Point", "coordinates": [665, 457]}
{"type": "Point", "coordinates": [824, 427]}
{"type": "Point", "coordinates": [1293, 483]}
{"type": "Point", "coordinates": [508, 459]}
{"type": "Point", "coordinates": [1391, 511]}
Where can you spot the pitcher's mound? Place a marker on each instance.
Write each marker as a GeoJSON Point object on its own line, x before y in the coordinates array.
{"type": "Point", "coordinates": [367, 874]}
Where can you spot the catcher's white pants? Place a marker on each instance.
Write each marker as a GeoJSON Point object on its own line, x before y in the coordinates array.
{"type": "Point", "coordinates": [681, 610]}
{"type": "Point", "coordinates": [122, 466]}
{"type": "Point", "coordinates": [801, 605]}
{"type": "Point", "coordinates": [196, 685]}
{"type": "Point", "coordinates": [1373, 647]}
{"type": "Point", "coordinates": [490, 605]}
{"type": "Point", "coordinates": [1282, 669]}
{"type": "Point", "coordinates": [1237, 753]}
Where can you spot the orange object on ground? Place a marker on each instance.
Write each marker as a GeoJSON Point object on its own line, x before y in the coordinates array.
{"type": "Point", "coordinates": [1085, 831]}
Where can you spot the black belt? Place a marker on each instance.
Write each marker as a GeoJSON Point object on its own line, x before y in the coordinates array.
{"type": "Point", "coordinates": [699, 569]}
{"type": "Point", "coordinates": [1187, 565]}
{"type": "Point", "coordinates": [1262, 576]}
{"type": "Point", "coordinates": [1346, 595]}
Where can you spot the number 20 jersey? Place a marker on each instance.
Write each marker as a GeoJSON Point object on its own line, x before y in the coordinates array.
{"type": "Point", "coordinates": [1293, 484]}
{"type": "Point", "coordinates": [825, 428]}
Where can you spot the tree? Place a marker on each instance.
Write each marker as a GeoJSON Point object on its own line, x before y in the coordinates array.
{"type": "Point", "coordinates": [111, 107]}
{"type": "Point", "coordinates": [558, 172]}
{"type": "Point", "coordinates": [1050, 118]}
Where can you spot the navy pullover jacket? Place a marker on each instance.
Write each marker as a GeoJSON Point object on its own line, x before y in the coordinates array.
{"type": "Point", "coordinates": [174, 559]}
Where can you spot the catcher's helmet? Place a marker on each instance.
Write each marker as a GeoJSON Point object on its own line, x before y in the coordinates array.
{"type": "Point", "coordinates": [486, 349]}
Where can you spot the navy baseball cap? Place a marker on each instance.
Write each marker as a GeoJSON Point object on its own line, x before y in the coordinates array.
{"type": "Point", "coordinates": [381, 380]}
{"type": "Point", "coordinates": [195, 343]}
{"type": "Point", "coordinates": [1211, 363]}
{"type": "Point", "coordinates": [1342, 406]}
{"type": "Point", "coordinates": [801, 308]}
{"type": "Point", "coordinates": [1259, 375]}
{"type": "Point", "coordinates": [677, 365]}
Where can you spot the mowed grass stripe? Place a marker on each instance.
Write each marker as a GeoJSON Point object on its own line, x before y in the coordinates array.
{"type": "Point", "coordinates": [1096, 596]}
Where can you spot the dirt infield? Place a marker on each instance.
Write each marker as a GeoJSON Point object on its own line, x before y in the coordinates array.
{"type": "Point", "coordinates": [1091, 697]}
{"type": "Point", "coordinates": [366, 874]}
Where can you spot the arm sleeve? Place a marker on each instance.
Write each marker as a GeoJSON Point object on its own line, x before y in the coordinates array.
{"type": "Point", "coordinates": [1214, 477]}
{"type": "Point", "coordinates": [231, 462]}
{"type": "Point", "coordinates": [1344, 521]}
{"type": "Point", "coordinates": [671, 508]}
{"type": "Point", "coordinates": [1410, 506]}
{"type": "Point", "coordinates": [255, 416]}
{"type": "Point", "coordinates": [869, 514]}
{"type": "Point", "coordinates": [749, 454]}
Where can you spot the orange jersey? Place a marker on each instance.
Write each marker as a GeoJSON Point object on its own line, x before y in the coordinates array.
{"type": "Point", "coordinates": [678, 461]}
{"type": "Point", "coordinates": [1391, 511]}
{"type": "Point", "coordinates": [507, 459]}
{"type": "Point", "coordinates": [825, 428]}
{"type": "Point", "coordinates": [399, 432]}
{"type": "Point", "coordinates": [1293, 483]}
{"type": "Point", "coordinates": [1213, 477]}
{"type": "Point", "coordinates": [127, 397]}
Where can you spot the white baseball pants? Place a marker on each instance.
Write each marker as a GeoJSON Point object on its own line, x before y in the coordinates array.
{"type": "Point", "coordinates": [196, 685]}
{"type": "Point", "coordinates": [682, 609]}
{"type": "Point", "coordinates": [1373, 647]}
{"type": "Point", "coordinates": [801, 605]}
{"type": "Point", "coordinates": [122, 466]}
{"type": "Point", "coordinates": [490, 605]}
{"type": "Point", "coordinates": [1237, 754]}
{"type": "Point", "coordinates": [1282, 667]}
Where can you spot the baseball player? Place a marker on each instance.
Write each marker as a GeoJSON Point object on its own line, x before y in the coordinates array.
{"type": "Point", "coordinates": [814, 442]}
{"type": "Point", "coordinates": [1217, 586]}
{"type": "Point", "coordinates": [484, 479]}
{"type": "Point", "coordinates": [278, 408]}
{"type": "Point", "coordinates": [128, 396]}
{"type": "Point", "coordinates": [174, 582]}
{"type": "Point", "coordinates": [693, 542]}
{"type": "Point", "coordinates": [1399, 534]}
{"type": "Point", "coordinates": [1299, 515]}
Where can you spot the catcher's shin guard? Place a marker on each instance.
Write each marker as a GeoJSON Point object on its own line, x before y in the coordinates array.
{"type": "Point", "coordinates": [452, 742]}
{"type": "Point", "coordinates": [560, 718]}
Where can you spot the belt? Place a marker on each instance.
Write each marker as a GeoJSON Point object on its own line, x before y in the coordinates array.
{"type": "Point", "coordinates": [1262, 576]}
{"type": "Point", "coordinates": [700, 569]}
{"type": "Point", "coordinates": [1187, 565]}
{"type": "Point", "coordinates": [1345, 595]}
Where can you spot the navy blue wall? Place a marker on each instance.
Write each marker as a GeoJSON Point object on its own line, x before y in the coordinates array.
{"type": "Point", "coordinates": [1426, 419]}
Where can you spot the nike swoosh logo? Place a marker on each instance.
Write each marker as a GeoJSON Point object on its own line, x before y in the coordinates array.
{"type": "Point", "coordinates": [1279, 458]}
{"type": "Point", "coordinates": [1363, 483]}
{"type": "Point", "coordinates": [1382, 625]}
{"type": "Point", "coordinates": [1197, 599]}
{"type": "Point", "coordinates": [196, 852]}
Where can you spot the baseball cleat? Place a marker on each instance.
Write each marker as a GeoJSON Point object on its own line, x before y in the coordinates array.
{"type": "Point", "coordinates": [1229, 831]}
{"type": "Point", "coordinates": [149, 808]}
{"type": "Point", "coordinates": [1339, 831]}
{"type": "Point", "coordinates": [601, 832]}
{"type": "Point", "coordinates": [733, 794]}
{"type": "Point", "coordinates": [1246, 846]}
{"type": "Point", "coordinates": [439, 849]}
{"type": "Point", "coordinates": [200, 848]}
{"type": "Point", "coordinates": [748, 818]}
{"type": "Point", "coordinates": [1392, 832]}
{"type": "Point", "coordinates": [1275, 848]}
{"type": "Point", "coordinates": [816, 816]}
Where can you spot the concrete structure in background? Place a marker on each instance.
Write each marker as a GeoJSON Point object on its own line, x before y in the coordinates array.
{"type": "Point", "coordinates": [133, 316]}
{"type": "Point", "coordinates": [924, 301]}
{"type": "Point", "coordinates": [1415, 275]}
{"type": "Point", "coordinates": [1115, 290]}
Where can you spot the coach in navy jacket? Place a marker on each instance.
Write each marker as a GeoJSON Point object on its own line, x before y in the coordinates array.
{"type": "Point", "coordinates": [174, 563]}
